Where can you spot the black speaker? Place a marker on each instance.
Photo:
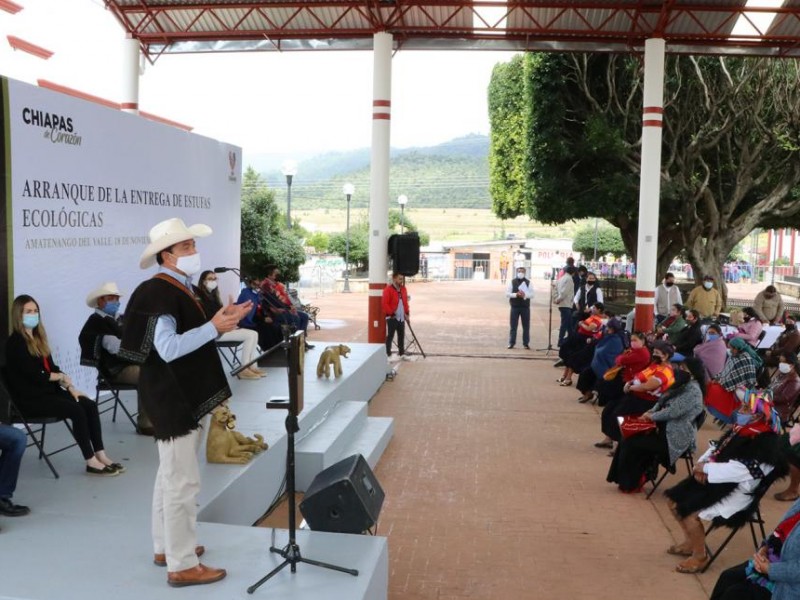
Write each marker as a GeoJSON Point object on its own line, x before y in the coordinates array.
{"type": "Point", "coordinates": [404, 250]}
{"type": "Point", "coordinates": [344, 498]}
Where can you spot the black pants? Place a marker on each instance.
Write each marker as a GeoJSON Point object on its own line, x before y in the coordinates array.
{"type": "Point", "coordinates": [586, 380]}
{"type": "Point", "coordinates": [635, 456]}
{"type": "Point", "coordinates": [734, 585]}
{"type": "Point", "coordinates": [83, 415]}
{"type": "Point", "coordinates": [393, 325]}
{"type": "Point", "coordinates": [520, 313]}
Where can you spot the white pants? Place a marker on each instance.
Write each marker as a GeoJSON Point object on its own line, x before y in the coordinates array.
{"type": "Point", "coordinates": [175, 501]}
{"type": "Point", "coordinates": [248, 337]}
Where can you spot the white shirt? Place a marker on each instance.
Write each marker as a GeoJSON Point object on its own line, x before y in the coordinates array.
{"type": "Point", "coordinates": [525, 289]}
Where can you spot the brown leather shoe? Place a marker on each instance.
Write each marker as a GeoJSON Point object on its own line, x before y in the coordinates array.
{"type": "Point", "coordinates": [161, 559]}
{"type": "Point", "coordinates": [199, 575]}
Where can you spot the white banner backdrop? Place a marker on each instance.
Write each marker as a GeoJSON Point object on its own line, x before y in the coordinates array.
{"type": "Point", "coordinates": [87, 184]}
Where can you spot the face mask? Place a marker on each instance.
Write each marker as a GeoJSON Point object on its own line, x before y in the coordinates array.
{"type": "Point", "coordinates": [708, 285]}
{"type": "Point", "coordinates": [30, 321]}
{"type": "Point", "coordinates": [784, 368]}
{"type": "Point", "coordinates": [743, 419]}
{"type": "Point", "coordinates": [657, 359]}
{"type": "Point", "coordinates": [794, 435]}
{"type": "Point", "coordinates": [636, 345]}
{"type": "Point", "coordinates": [521, 275]}
{"type": "Point", "coordinates": [712, 337]}
{"type": "Point", "coordinates": [189, 264]}
{"type": "Point", "coordinates": [669, 283]}
{"type": "Point", "coordinates": [111, 308]}
{"type": "Point", "coordinates": [746, 319]}
{"type": "Point", "coordinates": [211, 285]}
{"type": "Point", "coordinates": [590, 282]}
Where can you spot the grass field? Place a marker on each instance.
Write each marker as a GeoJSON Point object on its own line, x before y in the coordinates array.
{"type": "Point", "coordinates": [446, 224]}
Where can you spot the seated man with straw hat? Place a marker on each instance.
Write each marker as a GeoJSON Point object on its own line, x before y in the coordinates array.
{"type": "Point", "coordinates": [100, 339]}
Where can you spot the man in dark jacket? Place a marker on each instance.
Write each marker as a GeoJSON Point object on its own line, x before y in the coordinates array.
{"type": "Point", "coordinates": [519, 293]}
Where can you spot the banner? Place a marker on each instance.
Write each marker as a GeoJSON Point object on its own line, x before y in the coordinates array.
{"type": "Point", "coordinates": [84, 184]}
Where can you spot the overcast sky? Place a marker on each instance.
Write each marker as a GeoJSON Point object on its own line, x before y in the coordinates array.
{"type": "Point", "coordinates": [290, 103]}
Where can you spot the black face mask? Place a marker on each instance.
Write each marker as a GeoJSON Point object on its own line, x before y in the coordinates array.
{"type": "Point", "coordinates": [590, 283]}
{"type": "Point", "coordinates": [669, 283]}
{"type": "Point", "coordinates": [657, 359]}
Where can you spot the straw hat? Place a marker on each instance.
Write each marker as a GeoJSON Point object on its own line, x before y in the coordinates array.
{"type": "Point", "coordinates": [168, 233]}
{"type": "Point", "coordinates": [109, 288]}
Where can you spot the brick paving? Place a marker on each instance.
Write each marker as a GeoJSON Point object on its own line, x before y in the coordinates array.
{"type": "Point", "coordinates": [493, 487]}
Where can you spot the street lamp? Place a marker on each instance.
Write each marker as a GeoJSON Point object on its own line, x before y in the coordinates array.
{"type": "Point", "coordinates": [402, 200]}
{"type": "Point", "coordinates": [347, 190]}
{"type": "Point", "coordinates": [289, 168]}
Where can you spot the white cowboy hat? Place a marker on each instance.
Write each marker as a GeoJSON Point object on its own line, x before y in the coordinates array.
{"type": "Point", "coordinates": [109, 288]}
{"type": "Point", "coordinates": [168, 233]}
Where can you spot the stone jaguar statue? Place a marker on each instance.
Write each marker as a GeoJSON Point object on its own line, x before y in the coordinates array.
{"type": "Point", "coordinates": [332, 356]}
{"type": "Point", "coordinates": [226, 446]}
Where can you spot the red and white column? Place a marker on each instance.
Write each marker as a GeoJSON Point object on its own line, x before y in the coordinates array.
{"type": "Point", "coordinates": [379, 183]}
{"type": "Point", "coordinates": [650, 183]}
{"type": "Point", "coordinates": [130, 75]}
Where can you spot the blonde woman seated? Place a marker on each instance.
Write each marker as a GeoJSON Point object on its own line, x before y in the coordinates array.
{"type": "Point", "coordinates": [41, 389]}
{"type": "Point", "coordinates": [208, 293]}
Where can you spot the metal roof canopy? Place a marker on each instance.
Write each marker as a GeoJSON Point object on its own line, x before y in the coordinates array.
{"type": "Point", "coordinates": [687, 26]}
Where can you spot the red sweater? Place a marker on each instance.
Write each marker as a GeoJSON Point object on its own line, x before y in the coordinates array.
{"type": "Point", "coordinates": [391, 298]}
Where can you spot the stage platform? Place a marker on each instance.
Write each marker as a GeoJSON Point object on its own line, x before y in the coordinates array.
{"type": "Point", "coordinates": [88, 537]}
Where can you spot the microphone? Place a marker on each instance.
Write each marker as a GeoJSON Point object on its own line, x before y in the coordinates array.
{"type": "Point", "coordinates": [223, 269]}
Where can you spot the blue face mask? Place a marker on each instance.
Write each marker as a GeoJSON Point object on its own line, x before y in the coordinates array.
{"type": "Point", "coordinates": [30, 321]}
{"type": "Point", "coordinates": [743, 419]}
{"type": "Point", "coordinates": [111, 308]}
{"type": "Point", "coordinates": [712, 337]}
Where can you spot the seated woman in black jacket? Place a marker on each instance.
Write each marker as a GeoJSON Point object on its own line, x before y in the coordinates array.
{"type": "Point", "coordinates": [41, 389]}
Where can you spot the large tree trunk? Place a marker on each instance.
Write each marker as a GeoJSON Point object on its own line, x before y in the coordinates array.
{"type": "Point", "coordinates": [707, 259]}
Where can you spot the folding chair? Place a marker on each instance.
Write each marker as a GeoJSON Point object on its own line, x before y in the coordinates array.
{"type": "Point", "coordinates": [687, 457]}
{"type": "Point", "coordinates": [753, 518]}
{"type": "Point", "coordinates": [229, 351]}
{"type": "Point", "coordinates": [36, 428]}
{"type": "Point", "coordinates": [311, 310]}
{"type": "Point", "coordinates": [104, 384]}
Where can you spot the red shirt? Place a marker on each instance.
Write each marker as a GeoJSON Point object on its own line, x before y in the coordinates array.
{"type": "Point", "coordinates": [633, 360]}
{"type": "Point", "coordinates": [391, 298]}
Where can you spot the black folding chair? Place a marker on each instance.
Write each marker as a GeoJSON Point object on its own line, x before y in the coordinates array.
{"type": "Point", "coordinates": [229, 351]}
{"type": "Point", "coordinates": [36, 428]}
{"type": "Point", "coordinates": [104, 384]}
{"type": "Point", "coordinates": [687, 457]}
{"type": "Point", "coordinates": [735, 523]}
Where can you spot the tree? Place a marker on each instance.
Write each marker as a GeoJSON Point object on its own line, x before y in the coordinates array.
{"type": "Point", "coordinates": [730, 153]}
{"type": "Point", "coordinates": [359, 245]}
{"type": "Point", "coordinates": [319, 241]}
{"type": "Point", "coordinates": [264, 237]}
{"type": "Point", "coordinates": [609, 241]}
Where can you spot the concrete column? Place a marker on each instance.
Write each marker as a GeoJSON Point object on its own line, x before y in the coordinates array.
{"type": "Point", "coordinates": [379, 182]}
{"type": "Point", "coordinates": [650, 183]}
{"type": "Point", "coordinates": [130, 75]}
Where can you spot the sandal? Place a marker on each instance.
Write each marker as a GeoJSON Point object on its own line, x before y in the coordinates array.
{"type": "Point", "coordinates": [560, 380]}
{"type": "Point", "coordinates": [566, 383]}
{"type": "Point", "coordinates": [693, 565]}
{"type": "Point", "coordinates": [678, 550]}
{"type": "Point", "coordinates": [786, 496]}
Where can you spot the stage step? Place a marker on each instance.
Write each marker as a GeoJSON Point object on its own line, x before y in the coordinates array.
{"type": "Point", "coordinates": [371, 441]}
{"type": "Point", "coordinates": [325, 444]}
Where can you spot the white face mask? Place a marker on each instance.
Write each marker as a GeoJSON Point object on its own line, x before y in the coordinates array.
{"type": "Point", "coordinates": [521, 275]}
{"type": "Point", "coordinates": [189, 264]}
{"type": "Point", "coordinates": [708, 285]}
{"type": "Point", "coordinates": [211, 285]}
{"type": "Point", "coordinates": [784, 368]}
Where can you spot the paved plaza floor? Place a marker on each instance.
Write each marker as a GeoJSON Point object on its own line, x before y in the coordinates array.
{"type": "Point", "coordinates": [493, 487]}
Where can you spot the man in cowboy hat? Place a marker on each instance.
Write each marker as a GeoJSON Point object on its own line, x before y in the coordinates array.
{"type": "Point", "coordinates": [99, 341]}
{"type": "Point", "coordinates": [181, 380]}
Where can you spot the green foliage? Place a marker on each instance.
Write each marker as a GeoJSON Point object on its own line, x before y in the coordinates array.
{"type": "Point", "coordinates": [264, 236]}
{"type": "Point", "coordinates": [359, 245]}
{"type": "Point", "coordinates": [319, 241]}
{"type": "Point", "coordinates": [609, 241]}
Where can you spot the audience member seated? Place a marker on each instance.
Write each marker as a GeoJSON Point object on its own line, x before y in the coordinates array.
{"type": "Point", "coordinates": [576, 352]}
{"type": "Point", "coordinates": [269, 332]}
{"type": "Point", "coordinates": [690, 336]}
{"type": "Point", "coordinates": [739, 372]}
{"type": "Point", "coordinates": [640, 394]}
{"type": "Point", "coordinates": [788, 341]}
{"type": "Point", "coordinates": [673, 324]}
{"type": "Point", "coordinates": [785, 386]}
{"type": "Point", "coordinates": [631, 361]}
{"type": "Point", "coordinates": [751, 328]}
{"type": "Point", "coordinates": [13, 442]}
{"type": "Point", "coordinates": [773, 572]}
{"type": "Point", "coordinates": [41, 389]}
{"type": "Point", "coordinates": [607, 349]}
{"type": "Point", "coordinates": [742, 463]}
{"type": "Point", "coordinates": [713, 352]}
{"type": "Point", "coordinates": [790, 446]}
{"type": "Point", "coordinates": [99, 340]}
{"type": "Point", "coordinates": [768, 306]}
{"type": "Point", "coordinates": [675, 414]}
{"type": "Point", "coordinates": [208, 293]}
{"type": "Point", "coordinates": [277, 303]}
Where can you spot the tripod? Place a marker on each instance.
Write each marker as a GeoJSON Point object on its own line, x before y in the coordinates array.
{"type": "Point", "coordinates": [412, 342]}
{"type": "Point", "coordinates": [291, 552]}
{"type": "Point", "coordinates": [549, 348]}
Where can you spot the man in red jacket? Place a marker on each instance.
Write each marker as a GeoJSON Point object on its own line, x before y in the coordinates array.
{"type": "Point", "coordinates": [396, 312]}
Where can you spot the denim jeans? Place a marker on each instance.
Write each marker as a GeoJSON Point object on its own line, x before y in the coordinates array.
{"type": "Point", "coordinates": [12, 447]}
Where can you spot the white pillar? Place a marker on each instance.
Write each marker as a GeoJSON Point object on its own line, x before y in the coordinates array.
{"type": "Point", "coordinates": [379, 182]}
{"type": "Point", "coordinates": [650, 183]}
{"type": "Point", "coordinates": [130, 75]}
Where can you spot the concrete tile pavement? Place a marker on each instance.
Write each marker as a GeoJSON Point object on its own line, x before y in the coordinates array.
{"type": "Point", "coordinates": [493, 487]}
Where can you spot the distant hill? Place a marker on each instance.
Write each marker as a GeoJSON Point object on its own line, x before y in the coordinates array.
{"type": "Point", "coordinates": [451, 174]}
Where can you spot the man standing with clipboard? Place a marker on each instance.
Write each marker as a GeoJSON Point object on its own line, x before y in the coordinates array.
{"type": "Point", "coordinates": [519, 293]}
